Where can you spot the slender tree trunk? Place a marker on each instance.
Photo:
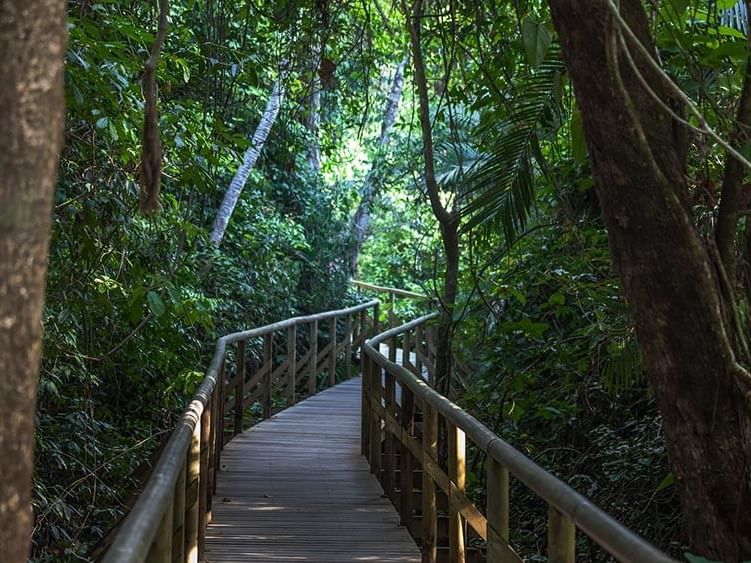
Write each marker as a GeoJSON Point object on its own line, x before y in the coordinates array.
{"type": "Point", "coordinates": [232, 194]}
{"type": "Point", "coordinates": [669, 278]}
{"type": "Point", "coordinates": [447, 220]}
{"type": "Point", "coordinates": [32, 36]}
{"type": "Point", "coordinates": [369, 190]}
{"type": "Point", "coordinates": [314, 106]}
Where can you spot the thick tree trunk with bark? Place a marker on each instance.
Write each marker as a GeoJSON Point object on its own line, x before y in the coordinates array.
{"type": "Point", "coordinates": [668, 275]}
{"type": "Point", "coordinates": [369, 191]}
{"type": "Point", "coordinates": [32, 38]}
{"type": "Point", "coordinates": [232, 195]}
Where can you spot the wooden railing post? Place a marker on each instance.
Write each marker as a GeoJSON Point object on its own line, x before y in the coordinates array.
{"type": "Point", "coordinates": [204, 488]}
{"type": "Point", "coordinates": [374, 433]}
{"type": "Point", "coordinates": [313, 361]}
{"type": "Point", "coordinates": [192, 495]}
{"type": "Point", "coordinates": [497, 512]}
{"type": "Point", "coordinates": [392, 315]}
{"type": "Point", "coordinates": [406, 476]}
{"type": "Point", "coordinates": [457, 475]}
{"type": "Point", "coordinates": [348, 348]}
{"type": "Point", "coordinates": [376, 319]}
{"type": "Point", "coordinates": [418, 349]}
{"type": "Point", "coordinates": [178, 520]}
{"type": "Point", "coordinates": [561, 537]}
{"type": "Point", "coordinates": [161, 550]}
{"type": "Point", "coordinates": [406, 350]}
{"type": "Point", "coordinates": [292, 359]}
{"type": "Point", "coordinates": [268, 360]}
{"type": "Point", "coordinates": [218, 443]}
{"type": "Point", "coordinates": [332, 354]}
{"type": "Point", "coordinates": [239, 388]}
{"type": "Point", "coordinates": [365, 407]}
{"type": "Point", "coordinates": [429, 513]}
{"type": "Point", "coordinates": [389, 446]}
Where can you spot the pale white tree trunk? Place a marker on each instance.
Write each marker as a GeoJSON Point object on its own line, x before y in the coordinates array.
{"type": "Point", "coordinates": [249, 161]}
{"type": "Point", "coordinates": [314, 151]}
{"type": "Point", "coordinates": [369, 190]}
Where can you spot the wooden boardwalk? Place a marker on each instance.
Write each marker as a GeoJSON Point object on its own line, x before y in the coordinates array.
{"type": "Point", "coordinates": [295, 488]}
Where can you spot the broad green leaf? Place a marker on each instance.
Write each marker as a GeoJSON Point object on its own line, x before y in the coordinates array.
{"type": "Point", "coordinates": [156, 305]}
{"type": "Point", "coordinates": [537, 40]}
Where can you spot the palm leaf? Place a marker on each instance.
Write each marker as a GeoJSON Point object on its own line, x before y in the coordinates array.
{"type": "Point", "coordinates": [500, 186]}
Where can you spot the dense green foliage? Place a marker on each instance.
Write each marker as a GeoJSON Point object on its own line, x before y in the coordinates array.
{"type": "Point", "coordinates": [549, 356]}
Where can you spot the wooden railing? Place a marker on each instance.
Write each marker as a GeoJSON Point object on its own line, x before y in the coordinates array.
{"type": "Point", "coordinates": [406, 423]}
{"type": "Point", "coordinates": [168, 522]}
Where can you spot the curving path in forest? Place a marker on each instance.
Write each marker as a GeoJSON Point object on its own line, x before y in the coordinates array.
{"type": "Point", "coordinates": [295, 488]}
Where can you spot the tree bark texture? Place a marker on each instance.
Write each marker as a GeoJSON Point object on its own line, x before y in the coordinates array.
{"type": "Point", "coordinates": [32, 38]}
{"type": "Point", "coordinates": [369, 190]}
{"type": "Point", "coordinates": [669, 279]}
{"type": "Point", "coordinates": [448, 220]}
{"type": "Point", "coordinates": [232, 195]}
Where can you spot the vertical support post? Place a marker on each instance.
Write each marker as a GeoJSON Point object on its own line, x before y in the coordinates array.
{"type": "Point", "coordinates": [218, 442]}
{"type": "Point", "coordinates": [393, 343]}
{"type": "Point", "coordinates": [376, 319]}
{"type": "Point", "coordinates": [362, 330]}
{"type": "Point", "coordinates": [268, 360]}
{"type": "Point", "coordinates": [365, 407]}
{"type": "Point", "coordinates": [374, 433]}
{"type": "Point", "coordinates": [418, 349]}
{"type": "Point", "coordinates": [192, 495]}
{"type": "Point", "coordinates": [161, 550]}
{"type": "Point", "coordinates": [429, 513]}
{"type": "Point", "coordinates": [561, 537]}
{"type": "Point", "coordinates": [178, 519]}
{"type": "Point", "coordinates": [239, 388]}
{"type": "Point", "coordinates": [392, 314]}
{"type": "Point", "coordinates": [406, 476]}
{"type": "Point", "coordinates": [212, 453]}
{"type": "Point", "coordinates": [203, 489]}
{"type": "Point", "coordinates": [389, 447]}
{"type": "Point", "coordinates": [349, 337]}
{"type": "Point", "coordinates": [407, 350]}
{"type": "Point", "coordinates": [497, 511]}
{"type": "Point", "coordinates": [292, 360]}
{"type": "Point", "coordinates": [313, 362]}
{"type": "Point", "coordinates": [332, 354]}
{"type": "Point", "coordinates": [457, 476]}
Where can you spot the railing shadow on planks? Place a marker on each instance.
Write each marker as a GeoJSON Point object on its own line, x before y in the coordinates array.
{"type": "Point", "coordinates": [168, 521]}
{"type": "Point", "coordinates": [403, 419]}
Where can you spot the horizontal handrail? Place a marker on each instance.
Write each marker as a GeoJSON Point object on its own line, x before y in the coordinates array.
{"type": "Point", "coordinates": [608, 533]}
{"type": "Point", "coordinates": [173, 507]}
{"type": "Point", "coordinates": [391, 290]}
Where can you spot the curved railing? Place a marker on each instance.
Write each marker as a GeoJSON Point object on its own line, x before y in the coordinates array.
{"type": "Point", "coordinates": [167, 523]}
{"type": "Point", "coordinates": [401, 414]}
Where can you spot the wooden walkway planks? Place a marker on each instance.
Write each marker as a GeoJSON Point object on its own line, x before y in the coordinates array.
{"type": "Point", "coordinates": [295, 488]}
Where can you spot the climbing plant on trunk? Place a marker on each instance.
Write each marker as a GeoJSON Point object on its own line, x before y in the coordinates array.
{"type": "Point", "coordinates": [674, 280]}
{"type": "Point", "coordinates": [31, 115]}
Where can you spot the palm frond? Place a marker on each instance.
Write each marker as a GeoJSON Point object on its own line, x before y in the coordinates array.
{"type": "Point", "coordinates": [500, 186]}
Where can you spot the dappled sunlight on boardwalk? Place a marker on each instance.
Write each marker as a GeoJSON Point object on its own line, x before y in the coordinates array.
{"type": "Point", "coordinates": [295, 488]}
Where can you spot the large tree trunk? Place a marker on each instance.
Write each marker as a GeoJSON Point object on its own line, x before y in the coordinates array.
{"type": "Point", "coordinates": [448, 220]}
{"type": "Point", "coordinates": [369, 190]}
{"type": "Point", "coordinates": [670, 281]}
{"type": "Point", "coordinates": [32, 37]}
{"type": "Point", "coordinates": [232, 194]}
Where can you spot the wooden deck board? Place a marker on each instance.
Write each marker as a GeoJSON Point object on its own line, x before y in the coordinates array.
{"type": "Point", "coordinates": [295, 488]}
